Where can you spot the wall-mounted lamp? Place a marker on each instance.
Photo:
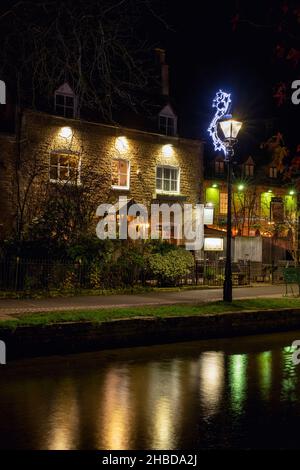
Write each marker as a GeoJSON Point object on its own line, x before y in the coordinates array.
{"type": "Point", "coordinates": [121, 144]}
{"type": "Point", "coordinates": [66, 133]}
{"type": "Point", "coordinates": [167, 150]}
{"type": "Point", "coordinates": [214, 185]}
{"type": "Point", "coordinates": [241, 187]}
{"type": "Point", "coordinates": [292, 192]}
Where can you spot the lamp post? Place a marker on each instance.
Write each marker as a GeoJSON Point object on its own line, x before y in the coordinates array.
{"type": "Point", "coordinates": [230, 129]}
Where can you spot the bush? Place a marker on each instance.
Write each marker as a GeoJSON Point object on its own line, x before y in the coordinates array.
{"type": "Point", "coordinates": [171, 266]}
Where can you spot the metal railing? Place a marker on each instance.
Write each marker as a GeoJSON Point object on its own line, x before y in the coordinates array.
{"type": "Point", "coordinates": [17, 274]}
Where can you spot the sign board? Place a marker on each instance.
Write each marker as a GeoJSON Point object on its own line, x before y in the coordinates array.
{"type": "Point", "coordinates": [213, 244]}
{"type": "Point", "coordinates": [208, 215]}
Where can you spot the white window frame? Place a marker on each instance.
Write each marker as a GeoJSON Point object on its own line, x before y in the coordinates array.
{"type": "Point", "coordinates": [65, 106]}
{"type": "Point", "coordinates": [167, 117]}
{"type": "Point", "coordinates": [70, 155]}
{"type": "Point", "coordinates": [163, 191]}
{"type": "Point", "coordinates": [116, 186]}
{"type": "Point", "coordinates": [273, 173]}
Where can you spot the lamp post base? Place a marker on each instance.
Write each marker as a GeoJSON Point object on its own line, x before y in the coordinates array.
{"type": "Point", "coordinates": [227, 290]}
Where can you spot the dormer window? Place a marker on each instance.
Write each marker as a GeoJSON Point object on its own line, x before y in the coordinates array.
{"type": "Point", "coordinates": [249, 169]}
{"type": "Point", "coordinates": [219, 167]}
{"type": "Point", "coordinates": [65, 102]}
{"type": "Point", "coordinates": [167, 125]}
{"type": "Point", "coordinates": [167, 121]}
{"type": "Point", "coordinates": [273, 172]}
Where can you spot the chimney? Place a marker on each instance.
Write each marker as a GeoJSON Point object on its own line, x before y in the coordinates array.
{"type": "Point", "coordinates": [164, 72]}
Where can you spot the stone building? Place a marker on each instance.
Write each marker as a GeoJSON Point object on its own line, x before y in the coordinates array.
{"type": "Point", "coordinates": [60, 152]}
{"type": "Point", "coordinates": [66, 151]}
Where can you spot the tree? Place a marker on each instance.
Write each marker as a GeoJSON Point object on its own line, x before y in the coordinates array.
{"type": "Point", "coordinates": [245, 210]}
{"type": "Point", "coordinates": [96, 46]}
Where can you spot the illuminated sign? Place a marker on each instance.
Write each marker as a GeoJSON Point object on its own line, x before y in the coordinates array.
{"type": "Point", "coordinates": [208, 215]}
{"type": "Point", "coordinates": [213, 244]}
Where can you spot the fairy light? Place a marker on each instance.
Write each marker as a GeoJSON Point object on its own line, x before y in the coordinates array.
{"type": "Point", "coordinates": [221, 102]}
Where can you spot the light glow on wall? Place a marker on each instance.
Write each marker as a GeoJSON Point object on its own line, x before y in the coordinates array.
{"type": "Point", "coordinates": [168, 150]}
{"type": "Point", "coordinates": [121, 144]}
{"type": "Point", "coordinates": [222, 103]}
{"type": "Point", "coordinates": [66, 133]}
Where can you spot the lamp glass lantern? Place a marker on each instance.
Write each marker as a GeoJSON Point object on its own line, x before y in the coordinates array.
{"type": "Point", "coordinates": [230, 128]}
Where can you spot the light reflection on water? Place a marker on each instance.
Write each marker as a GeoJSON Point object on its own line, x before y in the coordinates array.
{"type": "Point", "coordinates": [242, 392]}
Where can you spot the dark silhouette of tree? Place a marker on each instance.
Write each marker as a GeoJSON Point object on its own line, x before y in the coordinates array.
{"type": "Point", "coordinates": [98, 47]}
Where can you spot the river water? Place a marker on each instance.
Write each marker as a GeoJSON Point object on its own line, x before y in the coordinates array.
{"type": "Point", "coordinates": [227, 393]}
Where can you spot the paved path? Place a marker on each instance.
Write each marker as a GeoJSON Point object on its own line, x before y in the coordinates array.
{"type": "Point", "coordinates": [10, 307]}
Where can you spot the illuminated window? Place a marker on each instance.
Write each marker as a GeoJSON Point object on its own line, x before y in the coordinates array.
{"type": "Point", "coordinates": [249, 170]}
{"type": "Point", "coordinates": [223, 203]}
{"type": "Point", "coordinates": [64, 168]}
{"type": "Point", "coordinates": [273, 172]}
{"type": "Point", "coordinates": [167, 125]}
{"type": "Point", "coordinates": [120, 174]}
{"type": "Point", "coordinates": [167, 179]}
{"type": "Point", "coordinates": [219, 167]}
{"type": "Point", "coordinates": [65, 101]}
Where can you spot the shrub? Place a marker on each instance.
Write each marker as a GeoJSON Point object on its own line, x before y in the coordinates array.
{"type": "Point", "coordinates": [171, 266]}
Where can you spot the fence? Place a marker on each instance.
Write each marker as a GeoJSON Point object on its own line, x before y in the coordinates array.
{"type": "Point", "coordinates": [211, 273]}
{"type": "Point", "coordinates": [35, 275]}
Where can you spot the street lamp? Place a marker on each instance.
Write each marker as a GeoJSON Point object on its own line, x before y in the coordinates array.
{"type": "Point", "coordinates": [230, 129]}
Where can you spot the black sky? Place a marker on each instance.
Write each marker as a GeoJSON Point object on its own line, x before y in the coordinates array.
{"type": "Point", "coordinates": [205, 54]}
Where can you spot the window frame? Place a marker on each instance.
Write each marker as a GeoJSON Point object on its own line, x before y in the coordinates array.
{"type": "Point", "coordinates": [219, 163]}
{"type": "Point", "coordinates": [164, 191]}
{"type": "Point", "coordinates": [69, 154]}
{"type": "Point", "coordinates": [118, 187]}
{"type": "Point", "coordinates": [166, 127]}
{"type": "Point", "coordinates": [249, 169]}
{"type": "Point", "coordinates": [64, 106]}
{"type": "Point", "coordinates": [273, 172]}
{"type": "Point", "coordinates": [224, 202]}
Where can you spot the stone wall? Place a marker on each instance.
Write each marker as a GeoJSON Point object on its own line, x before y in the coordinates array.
{"type": "Point", "coordinates": [95, 145]}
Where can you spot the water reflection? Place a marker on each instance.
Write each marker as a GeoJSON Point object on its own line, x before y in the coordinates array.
{"type": "Point", "coordinates": [63, 418]}
{"type": "Point", "coordinates": [237, 393]}
{"type": "Point", "coordinates": [114, 422]}
{"type": "Point", "coordinates": [211, 380]}
{"type": "Point", "coordinates": [264, 360]}
{"type": "Point", "coordinates": [237, 368]}
{"type": "Point", "coordinates": [164, 404]}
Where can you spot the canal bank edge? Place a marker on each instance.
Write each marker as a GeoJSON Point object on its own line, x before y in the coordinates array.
{"type": "Point", "coordinates": [75, 337]}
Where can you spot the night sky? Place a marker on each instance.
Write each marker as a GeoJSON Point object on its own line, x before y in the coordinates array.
{"type": "Point", "coordinates": [205, 54]}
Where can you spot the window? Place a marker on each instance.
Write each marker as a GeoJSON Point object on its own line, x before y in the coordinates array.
{"type": "Point", "coordinates": [167, 179]}
{"type": "Point", "coordinates": [219, 167]}
{"type": "Point", "coordinates": [223, 203]}
{"type": "Point", "coordinates": [65, 105]}
{"type": "Point", "coordinates": [65, 101]}
{"type": "Point", "coordinates": [167, 125]}
{"type": "Point", "coordinates": [249, 170]}
{"type": "Point", "coordinates": [64, 168]}
{"type": "Point", "coordinates": [273, 172]}
{"type": "Point", "coordinates": [120, 174]}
